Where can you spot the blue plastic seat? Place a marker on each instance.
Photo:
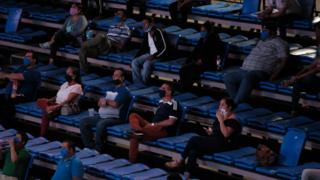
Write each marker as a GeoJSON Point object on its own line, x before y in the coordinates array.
{"type": "Point", "coordinates": [204, 10]}
{"type": "Point", "coordinates": [197, 101]}
{"type": "Point", "coordinates": [145, 175]}
{"type": "Point", "coordinates": [148, 90]}
{"type": "Point", "coordinates": [13, 20]}
{"type": "Point", "coordinates": [294, 173]}
{"type": "Point", "coordinates": [204, 109]}
{"type": "Point", "coordinates": [283, 125]}
{"type": "Point", "coordinates": [228, 157]}
{"type": "Point", "coordinates": [7, 133]}
{"type": "Point", "coordinates": [96, 160]}
{"type": "Point", "coordinates": [290, 151]}
{"type": "Point", "coordinates": [261, 122]}
{"type": "Point", "coordinates": [245, 47]}
{"type": "Point", "coordinates": [51, 155]}
{"type": "Point", "coordinates": [249, 7]}
{"type": "Point", "coordinates": [36, 141]}
{"type": "Point", "coordinates": [247, 162]}
{"type": "Point", "coordinates": [119, 130]}
{"type": "Point", "coordinates": [72, 119]}
{"type": "Point", "coordinates": [105, 166]}
{"type": "Point", "coordinates": [118, 173]}
{"type": "Point", "coordinates": [235, 39]}
{"type": "Point", "coordinates": [220, 12]}
{"type": "Point", "coordinates": [86, 153]}
{"type": "Point", "coordinates": [170, 142]}
{"type": "Point", "coordinates": [244, 116]}
{"type": "Point", "coordinates": [45, 147]}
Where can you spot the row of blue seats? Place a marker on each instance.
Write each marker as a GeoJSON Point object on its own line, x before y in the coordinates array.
{"type": "Point", "coordinates": [102, 165]}
{"type": "Point", "coordinates": [35, 11]}
{"type": "Point", "coordinates": [243, 157]}
{"type": "Point", "coordinates": [204, 106]}
{"type": "Point", "coordinates": [245, 11]}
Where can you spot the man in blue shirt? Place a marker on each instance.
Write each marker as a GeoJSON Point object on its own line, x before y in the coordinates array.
{"type": "Point", "coordinates": [22, 87]}
{"type": "Point", "coordinates": [70, 167]}
{"type": "Point", "coordinates": [112, 111]}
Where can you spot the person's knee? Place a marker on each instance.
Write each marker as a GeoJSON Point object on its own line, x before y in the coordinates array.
{"type": "Point", "coordinates": [83, 123]}
{"type": "Point", "coordinates": [133, 117]}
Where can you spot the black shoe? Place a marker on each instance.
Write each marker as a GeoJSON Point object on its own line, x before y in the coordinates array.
{"type": "Point", "coordinates": [137, 134]}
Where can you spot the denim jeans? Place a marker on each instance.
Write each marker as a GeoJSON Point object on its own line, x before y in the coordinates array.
{"type": "Point", "coordinates": [101, 125]}
{"type": "Point", "coordinates": [142, 69]}
{"type": "Point", "coordinates": [240, 83]}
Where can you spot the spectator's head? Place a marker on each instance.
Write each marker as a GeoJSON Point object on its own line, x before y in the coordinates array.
{"type": "Point", "coordinates": [29, 58]}
{"type": "Point", "coordinates": [147, 24]}
{"type": "Point", "coordinates": [121, 15]}
{"type": "Point", "coordinates": [118, 77]}
{"type": "Point", "coordinates": [20, 140]}
{"type": "Point", "coordinates": [268, 30]}
{"type": "Point", "coordinates": [75, 9]}
{"type": "Point", "coordinates": [226, 105]}
{"type": "Point", "coordinates": [166, 91]}
{"type": "Point", "coordinates": [174, 176]}
{"type": "Point", "coordinates": [68, 149]}
{"type": "Point", "coordinates": [73, 75]}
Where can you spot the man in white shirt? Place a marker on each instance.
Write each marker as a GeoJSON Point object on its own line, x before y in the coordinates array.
{"type": "Point", "coordinates": [281, 11]}
{"type": "Point", "coordinates": [112, 110]}
{"type": "Point", "coordinates": [154, 47]}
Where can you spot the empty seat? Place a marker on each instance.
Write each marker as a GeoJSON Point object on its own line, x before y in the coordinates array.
{"type": "Point", "coordinates": [118, 173]}
{"type": "Point", "coordinates": [145, 175]}
{"type": "Point", "coordinates": [170, 142]}
{"type": "Point", "coordinates": [228, 157]}
{"type": "Point", "coordinates": [282, 125]}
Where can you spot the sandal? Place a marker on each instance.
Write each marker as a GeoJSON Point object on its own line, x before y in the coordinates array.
{"type": "Point", "coordinates": [174, 164]}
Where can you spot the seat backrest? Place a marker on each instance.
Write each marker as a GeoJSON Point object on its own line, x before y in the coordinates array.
{"type": "Point", "coordinates": [293, 144]}
{"type": "Point", "coordinates": [13, 20]}
{"type": "Point", "coordinates": [308, 7]}
{"type": "Point", "coordinates": [250, 6]}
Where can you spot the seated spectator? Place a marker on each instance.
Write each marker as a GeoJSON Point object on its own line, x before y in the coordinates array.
{"type": "Point", "coordinates": [70, 167]}
{"type": "Point", "coordinates": [65, 102]}
{"type": "Point", "coordinates": [115, 40]}
{"type": "Point", "coordinates": [283, 11]}
{"type": "Point", "coordinates": [141, 4]}
{"type": "Point", "coordinates": [204, 57]}
{"type": "Point", "coordinates": [265, 62]}
{"type": "Point", "coordinates": [112, 111]}
{"type": "Point", "coordinates": [154, 46]}
{"type": "Point", "coordinates": [307, 80]}
{"type": "Point", "coordinates": [223, 136]}
{"type": "Point", "coordinates": [163, 123]}
{"type": "Point", "coordinates": [22, 87]}
{"type": "Point", "coordinates": [16, 158]}
{"type": "Point", "coordinates": [310, 174]}
{"type": "Point", "coordinates": [70, 33]}
{"type": "Point", "coordinates": [179, 10]}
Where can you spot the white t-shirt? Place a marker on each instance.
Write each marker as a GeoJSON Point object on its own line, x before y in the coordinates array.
{"type": "Point", "coordinates": [108, 111]}
{"type": "Point", "coordinates": [152, 46]}
{"type": "Point", "coordinates": [65, 90]}
{"type": "Point", "coordinates": [294, 6]}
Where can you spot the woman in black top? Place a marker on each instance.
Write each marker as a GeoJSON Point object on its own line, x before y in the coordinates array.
{"type": "Point", "coordinates": [222, 136]}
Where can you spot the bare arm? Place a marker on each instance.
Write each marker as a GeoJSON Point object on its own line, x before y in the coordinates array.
{"type": "Point", "coordinates": [71, 98]}
{"type": "Point", "coordinates": [167, 123]}
{"type": "Point", "coordinates": [12, 76]}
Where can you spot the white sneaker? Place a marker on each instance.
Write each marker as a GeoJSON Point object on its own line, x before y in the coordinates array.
{"type": "Point", "coordinates": [44, 45]}
{"type": "Point", "coordinates": [316, 20]}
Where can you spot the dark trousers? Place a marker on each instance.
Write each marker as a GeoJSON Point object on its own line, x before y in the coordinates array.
{"type": "Point", "coordinates": [199, 146]}
{"type": "Point", "coordinates": [85, 6]}
{"type": "Point", "coordinates": [61, 38]}
{"type": "Point", "coordinates": [190, 73]}
{"type": "Point", "coordinates": [141, 4]}
{"type": "Point", "coordinates": [7, 109]}
{"type": "Point", "coordinates": [179, 17]}
{"type": "Point", "coordinates": [309, 84]}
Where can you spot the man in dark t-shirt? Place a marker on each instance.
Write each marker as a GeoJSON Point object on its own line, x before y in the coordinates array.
{"type": "Point", "coordinates": [162, 125]}
{"type": "Point", "coordinates": [22, 87]}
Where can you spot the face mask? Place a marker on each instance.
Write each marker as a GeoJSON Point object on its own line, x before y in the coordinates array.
{"type": "Point", "coordinates": [16, 140]}
{"type": "Point", "coordinates": [203, 34]}
{"type": "Point", "coordinates": [116, 19]}
{"type": "Point", "coordinates": [68, 78]}
{"type": "Point", "coordinates": [162, 93]}
{"type": "Point", "coordinates": [264, 35]}
{"type": "Point", "coordinates": [117, 81]}
{"type": "Point", "coordinates": [224, 111]}
{"type": "Point", "coordinates": [64, 152]}
{"type": "Point", "coordinates": [26, 61]}
{"type": "Point", "coordinates": [73, 11]}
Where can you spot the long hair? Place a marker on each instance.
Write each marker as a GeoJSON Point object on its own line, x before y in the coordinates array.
{"type": "Point", "coordinates": [76, 73]}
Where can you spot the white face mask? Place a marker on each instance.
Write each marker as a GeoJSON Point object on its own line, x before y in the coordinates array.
{"type": "Point", "coordinates": [224, 111]}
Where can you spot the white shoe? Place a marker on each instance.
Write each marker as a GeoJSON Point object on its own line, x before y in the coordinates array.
{"type": "Point", "coordinates": [316, 20]}
{"type": "Point", "coordinates": [45, 45]}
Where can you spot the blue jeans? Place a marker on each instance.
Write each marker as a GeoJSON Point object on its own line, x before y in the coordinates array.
{"type": "Point", "coordinates": [240, 83]}
{"type": "Point", "coordinates": [86, 125]}
{"type": "Point", "coordinates": [142, 69]}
